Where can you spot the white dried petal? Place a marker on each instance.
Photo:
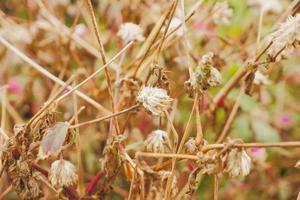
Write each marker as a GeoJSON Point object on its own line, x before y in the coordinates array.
{"type": "Point", "coordinates": [222, 13]}
{"type": "Point", "coordinates": [154, 99]}
{"type": "Point", "coordinates": [130, 32]}
{"type": "Point", "coordinates": [215, 77]}
{"type": "Point", "coordinates": [62, 173]}
{"type": "Point", "coordinates": [157, 141]}
{"type": "Point", "coordinates": [53, 140]}
{"type": "Point", "coordinates": [261, 79]}
{"type": "Point", "coordinates": [238, 163]}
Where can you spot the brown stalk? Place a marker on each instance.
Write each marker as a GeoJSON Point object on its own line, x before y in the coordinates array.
{"type": "Point", "coordinates": [104, 61]}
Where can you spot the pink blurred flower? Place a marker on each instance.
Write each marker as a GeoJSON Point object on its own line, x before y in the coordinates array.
{"type": "Point", "coordinates": [14, 86]}
{"type": "Point", "coordinates": [284, 121]}
{"type": "Point", "coordinates": [258, 154]}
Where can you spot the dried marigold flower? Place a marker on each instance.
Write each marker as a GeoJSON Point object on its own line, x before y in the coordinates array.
{"type": "Point", "coordinates": [238, 163]}
{"type": "Point", "coordinates": [130, 32]}
{"type": "Point", "coordinates": [157, 141]}
{"type": "Point", "coordinates": [62, 173]}
{"type": "Point", "coordinates": [285, 37]}
{"type": "Point", "coordinates": [205, 75]}
{"type": "Point", "coordinates": [222, 13]}
{"type": "Point", "coordinates": [154, 99]}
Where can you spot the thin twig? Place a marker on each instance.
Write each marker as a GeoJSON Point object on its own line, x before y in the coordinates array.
{"type": "Point", "coordinates": [43, 71]}
{"type": "Point", "coordinates": [106, 117]}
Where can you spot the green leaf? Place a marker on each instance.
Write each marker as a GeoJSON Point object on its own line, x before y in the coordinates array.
{"type": "Point", "coordinates": [241, 128]}
{"type": "Point", "coordinates": [264, 132]}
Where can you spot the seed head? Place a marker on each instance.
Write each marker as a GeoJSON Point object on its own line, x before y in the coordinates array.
{"type": "Point", "coordinates": [154, 99]}
{"type": "Point", "coordinates": [62, 173]}
{"type": "Point", "coordinates": [285, 38]}
{"type": "Point", "coordinates": [130, 32]}
{"type": "Point", "coordinates": [205, 75]}
{"type": "Point", "coordinates": [157, 141]}
{"type": "Point", "coordinates": [238, 163]}
{"type": "Point", "coordinates": [190, 146]}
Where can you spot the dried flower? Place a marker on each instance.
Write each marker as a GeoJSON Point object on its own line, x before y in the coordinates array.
{"type": "Point", "coordinates": [261, 79]}
{"type": "Point", "coordinates": [62, 173]}
{"type": "Point", "coordinates": [285, 37]}
{"type": "Point", "coordinates": [154, 99]}
{"type": "Point", "coordinates": [130, 32]}
{"type": "Point", "coordinates": [190, 146]}
{"type": "Point", "coordinates": [238, 163]}
{"type": "Point", "coordinates": [222, 13]}
{"type": "Point", "coordinates": [157, 141]}
{"type": "Point", "coordinates": [205, 75]}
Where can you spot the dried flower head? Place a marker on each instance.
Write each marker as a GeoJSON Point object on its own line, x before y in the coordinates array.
{"type": "Point", "coordinates": [190, 146]}
{"type": "Point", "coordinates": [285, 38]}
{"type": "Point", "coordinates": [130, 32]}
{"type": "Point", "coordinates": [157, 141]}
{"type": "Point", "coordinates": [261, 79]}
{"type": "Point", "coordinates": [205, 75]}
{"type": "Point", "coordinates": [238, 163]}
{"type": "Point", "coordinates": [154, 99]}
{"type": "Point", "coordinates": [222, 13]}
{"type": "Point", "coordinates": [62, 173]}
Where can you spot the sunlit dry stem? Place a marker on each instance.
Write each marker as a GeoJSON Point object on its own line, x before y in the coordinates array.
{"type": "Point", "coordinates": [199, 136]}
{"type": "Point", "coordinates": [95, 73]}
{"type": "Point", "coordinates": [187, 128]}
{"type": "Point", "coordinates": [50, 102]}
{"type": "Point", "coordinates": [216, 186]}
{"type": "Point", "coordinates": [78, 149]}
{"type": "Point", "coordinates": [106, 117]}
{"type": "Point", "coordinates": [167, 155]}
{"type": "Point", "coordinates": [40, 69]}
{"type": "Point", "coordinates": [232, 114]}
{"type": "Point", "coordinates": [3, 107]}
{"type": "Point", "coordinates": [235, 79]}
{"type": "Point", "coordinates": [75, 116]}
{"type": "Point", "coordinates": [104, 60]}
{"type": "Point", "coordinates": [5, 192]}
{"type": "Point", "coordinates": [187, 18]}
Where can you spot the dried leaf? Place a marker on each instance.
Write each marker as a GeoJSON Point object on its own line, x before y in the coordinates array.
{"type": "Point", "coordinates": [53, 140]}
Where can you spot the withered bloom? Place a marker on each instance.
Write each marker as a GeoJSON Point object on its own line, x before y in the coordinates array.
{"type": "Point", "coordinates": [157, 141]}
{"type": "Point", "coordinates": [62, 173]}
{"type": "Point", "coordinates": [238, 163]}
{"type": "Point", "coordinates": [154, 99]}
